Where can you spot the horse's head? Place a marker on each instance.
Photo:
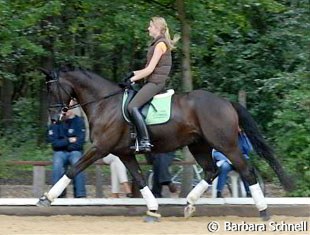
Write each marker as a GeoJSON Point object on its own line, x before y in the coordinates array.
{"type": "Point", "coordinates": [59, 94]}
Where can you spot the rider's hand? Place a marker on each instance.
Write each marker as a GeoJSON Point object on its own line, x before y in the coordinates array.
{"type": "Point", "coordinates": [128, 76]}
{"type": "Point", "coordinates": [125, 84]}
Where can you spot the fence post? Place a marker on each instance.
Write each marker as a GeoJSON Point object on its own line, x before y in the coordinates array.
{"type": "Point", "coordinates": [234, 176]}
{"type": "Point", "coordinates": [38, 181]}
{"type": "Point", "coordinates": [188, 174]}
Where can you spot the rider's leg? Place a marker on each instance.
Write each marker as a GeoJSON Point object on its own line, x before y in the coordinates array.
{"type": "Point", "coordinates": [143, 134]}
{"type": "Point", "coordinates": [145, 94]}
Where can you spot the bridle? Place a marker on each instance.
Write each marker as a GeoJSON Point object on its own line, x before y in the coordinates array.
{"type": "Point", "coordinates": [55, 75]}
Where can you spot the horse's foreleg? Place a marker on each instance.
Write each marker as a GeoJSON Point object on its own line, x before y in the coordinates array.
{"type": "Point", "coordinates": [151, 202]}
{"type": "Point", "coordinates": [58, 188]}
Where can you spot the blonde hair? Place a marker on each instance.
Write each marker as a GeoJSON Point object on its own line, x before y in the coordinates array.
{"type": "Point", "coordinates": [161, 24]}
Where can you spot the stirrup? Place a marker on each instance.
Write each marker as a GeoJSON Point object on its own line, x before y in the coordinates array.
{"type": "Point", "coordinates": [145, 146]}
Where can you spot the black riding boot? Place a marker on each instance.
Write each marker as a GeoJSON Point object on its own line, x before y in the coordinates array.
{"type": "Point", "coordinates": [143, 134]}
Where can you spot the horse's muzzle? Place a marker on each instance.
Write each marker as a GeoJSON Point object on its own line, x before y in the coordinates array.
{"type": "Point", "coordinates": [55, 118]}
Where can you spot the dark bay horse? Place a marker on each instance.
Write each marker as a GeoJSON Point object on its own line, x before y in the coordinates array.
{"type": "Point", "coordinates": [200, 120]}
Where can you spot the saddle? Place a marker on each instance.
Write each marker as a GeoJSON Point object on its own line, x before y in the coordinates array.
{"type": "Point", "coordinates": [156, 111]}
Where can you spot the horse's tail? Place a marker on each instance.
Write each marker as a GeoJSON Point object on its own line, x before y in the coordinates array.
{"type": "Point", "coordinates": [260, 146]}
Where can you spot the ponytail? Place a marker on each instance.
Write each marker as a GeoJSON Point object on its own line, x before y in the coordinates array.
{"type": "Point", "coordinates": [162, 24]}
{"type": "Point", "coordinates": [173, 41]}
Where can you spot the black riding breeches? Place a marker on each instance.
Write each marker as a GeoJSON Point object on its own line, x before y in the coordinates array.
{"type": "Point", "coordinates": [146, 93]}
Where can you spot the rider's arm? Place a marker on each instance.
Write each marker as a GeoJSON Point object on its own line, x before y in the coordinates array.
{"type": "Point", "coordinates": [159, 50]}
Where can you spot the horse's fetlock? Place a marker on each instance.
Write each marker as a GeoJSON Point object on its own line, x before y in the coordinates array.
{"type": "Point", "coordinates": [70, 173]}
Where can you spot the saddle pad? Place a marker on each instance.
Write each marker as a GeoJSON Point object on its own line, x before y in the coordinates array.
{"type": "Point", "coordinates": [160, 109]}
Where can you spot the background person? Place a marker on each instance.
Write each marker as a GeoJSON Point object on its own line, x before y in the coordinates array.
{"type": "Point", "coordinates": [225, 165]}
{"type": "Point", "coordinates": [161, 173]}
{"type": "Point", "coordinates": [118, 176]}
{"type": "Point", "coordinates": [67, 138]}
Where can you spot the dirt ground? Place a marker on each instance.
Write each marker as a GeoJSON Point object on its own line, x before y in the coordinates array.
{"type": "Point", "coordinates": [132, 225]}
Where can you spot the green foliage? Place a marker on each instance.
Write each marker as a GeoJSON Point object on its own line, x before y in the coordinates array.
{"type": "Point", "coordinates": [19, 140]}
{"type": "Point", "coordinates": [292, 128]}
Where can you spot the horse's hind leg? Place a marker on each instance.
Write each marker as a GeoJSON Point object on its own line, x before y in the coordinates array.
{"type": "Point", "coordinates": [202, 153]}
{"type": "Point", "coordinates": [246, 171]}
{"type": "Point", "coordinates": [132, 165]}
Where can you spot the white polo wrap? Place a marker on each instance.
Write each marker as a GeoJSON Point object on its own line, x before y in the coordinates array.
{"type": "Point", "coordinates": [58, 188]}
{"type": "Point", "coordinates": [258, 197]}
{"type": "Point", "coordinates": [148, 196]}
{"type": "Point", "coordinates": [196, 192]}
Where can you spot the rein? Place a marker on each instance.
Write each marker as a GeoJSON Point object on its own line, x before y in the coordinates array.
{"type": "Point", "coordinates": [101, 98]}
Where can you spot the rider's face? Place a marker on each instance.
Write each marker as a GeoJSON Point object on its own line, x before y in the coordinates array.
{"type": "Point", "coordinates": [153, 30]}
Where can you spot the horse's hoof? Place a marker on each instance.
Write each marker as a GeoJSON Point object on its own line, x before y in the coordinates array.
{"type": "Point", "coordinates": [189, 210]}
{"type": "Point", "coordinates": [43, 202]}
{"type": "Point", "coordinates": [151, 217]}
{"type": "Point", "coordinates": [264, 215]}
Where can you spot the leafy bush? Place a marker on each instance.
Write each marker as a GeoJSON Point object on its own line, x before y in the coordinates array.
{"type": "Point", "coordinates": [19, 140]}
{"type": "Point", "coordinates": [291, 130]}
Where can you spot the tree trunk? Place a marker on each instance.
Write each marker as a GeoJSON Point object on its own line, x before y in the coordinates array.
{"type": "Point", "coordinates": [43, 114]}
{"type": "Point", "coordinates": [47, 62]}
{"type": "Point", "coordinates": [186, 61]}
{"type": "Point", "coordinates": [187, 176]}
{"type": "Point", "coordinates": [6, 103]}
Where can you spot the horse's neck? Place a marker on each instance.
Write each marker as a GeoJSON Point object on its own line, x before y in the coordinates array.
{"type": "Point", "coordinates": [92, 90]}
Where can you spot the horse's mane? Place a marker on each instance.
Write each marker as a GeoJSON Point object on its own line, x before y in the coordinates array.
{"type": "Point", "coordinates": [71, 68]}
{"type": "Point", "coordinates": [88, 74]}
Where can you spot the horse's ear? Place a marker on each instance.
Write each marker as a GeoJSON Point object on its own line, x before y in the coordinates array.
{"type": "Point", "coordinates": [45, 71]}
